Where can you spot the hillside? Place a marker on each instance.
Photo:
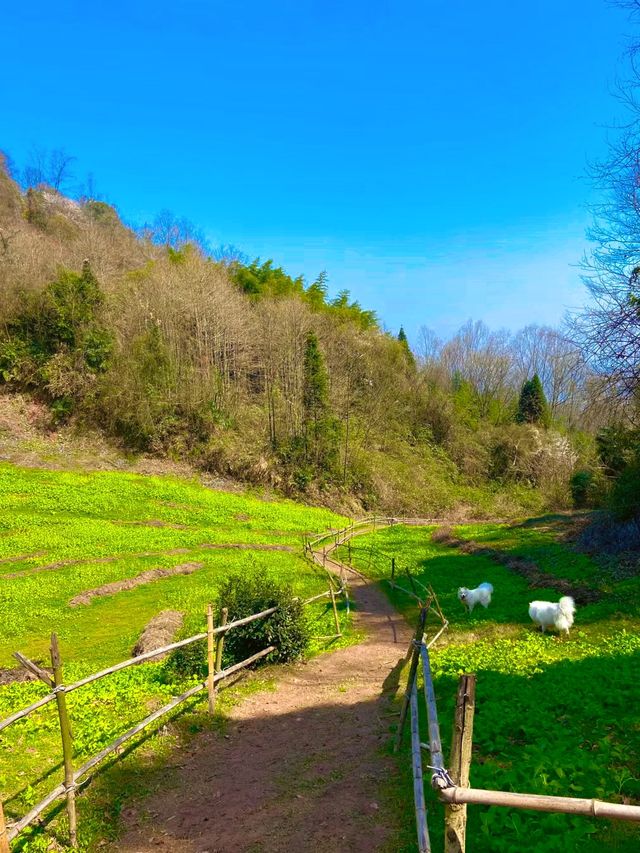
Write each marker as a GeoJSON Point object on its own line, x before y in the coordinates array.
{"type": "Point", "coordinates": [237, 369]}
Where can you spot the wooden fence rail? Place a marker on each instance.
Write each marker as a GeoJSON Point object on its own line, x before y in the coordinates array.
{"type": "Point", "coordinates": [424, 842]}
{"type": "Point", "coordinates": [74, 778]}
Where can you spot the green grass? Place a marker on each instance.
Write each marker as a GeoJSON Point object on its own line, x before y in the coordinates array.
{"type": "Point", "coordinates": [71, 521]}
{"type": "Point", "coordinates": [62, 533]}
{"type": "Point", "coordinates": [554, 715]}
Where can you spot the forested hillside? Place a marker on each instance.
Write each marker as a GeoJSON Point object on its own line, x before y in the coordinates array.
{"type": "Point", "coordinates": [173, 350]}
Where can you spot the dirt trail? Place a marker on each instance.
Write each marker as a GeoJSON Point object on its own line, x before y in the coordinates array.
{"type": "Point", "coordinates": [299, 769]}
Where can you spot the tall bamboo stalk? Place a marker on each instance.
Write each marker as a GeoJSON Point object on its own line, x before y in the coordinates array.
{"type": "Point", "coordinates": [67, 743]}
{"type": "Point", "coordinates": [435, 744]}
{"type": "Point", "coordinates": [219, 647]}
{"type": "Point", "coordinates": [335, 611]}
{"type": "Point", "coordinates": [415, 657]}
{"type": "Point", "coordinates": [424, 844]}
{"type": "Point", "coordinates": [542, 803]}
{"type": "Point", "coordinates": [210, 660]}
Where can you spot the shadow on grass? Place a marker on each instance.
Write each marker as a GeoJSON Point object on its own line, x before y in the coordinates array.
{"type": "Point", "coordinates": [569, 730]}
{"type": "Point", "coordinates": [322, 777]}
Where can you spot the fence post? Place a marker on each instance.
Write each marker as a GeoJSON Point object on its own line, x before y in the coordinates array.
{"type": "Point", "coordinates": [211, 690]}
{"type": "Point", "coordinates": [4, 841]}
{"type": "Point", "coordinates": [335, 610]}
{"type": "Point", "coordinates": [67, 744]}
{"type": "Point", "coordinates": [455, 815]}
{"type": "Point", "coordinates": [349, 546]}
{"type": "Point", "coordinates": [220, 641]}
{"type": "Point", "coordinates": [413, 669]}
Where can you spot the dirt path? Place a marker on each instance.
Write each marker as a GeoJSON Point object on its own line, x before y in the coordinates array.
{"type": "Point", "coordinates": [299, 769]}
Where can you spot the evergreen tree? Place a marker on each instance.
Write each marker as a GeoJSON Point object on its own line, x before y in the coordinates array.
{"type": "Point", "coordinates": [402, 337]}
{"type": "Point", "coordinates": [532, 405]}
{"type": "Point", "coordinates": [320, 427]}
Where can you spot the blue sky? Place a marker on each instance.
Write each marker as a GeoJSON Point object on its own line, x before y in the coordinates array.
{"type": "Point", "coordinates": [429, 155]}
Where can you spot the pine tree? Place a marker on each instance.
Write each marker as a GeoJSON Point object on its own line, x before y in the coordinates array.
{"type": "Point", "coordinates": [402, 338]}
{"type": "Point", "coordinates": [320, 427]}
{"type": "Point", "coordinates": [532, 405]}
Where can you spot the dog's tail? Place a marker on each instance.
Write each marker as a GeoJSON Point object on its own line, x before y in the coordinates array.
{"type": "Point", "coordinates": [567, 606]}
{"type": "Point", "coordinates": [566, 609]}
{"type": "Point", "coordinates": [486, 586]}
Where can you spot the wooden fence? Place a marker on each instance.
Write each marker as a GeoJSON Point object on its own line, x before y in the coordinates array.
{"type": "Point", "coordinates": [452, 785]}
{"type": "Point", "coordinates": [75, 777]}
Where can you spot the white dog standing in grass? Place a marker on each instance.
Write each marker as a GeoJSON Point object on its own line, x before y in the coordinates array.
{"type": "Point", "coordinates": [480, 595]}
{"type": "Point", "coordinates": [548, 614]}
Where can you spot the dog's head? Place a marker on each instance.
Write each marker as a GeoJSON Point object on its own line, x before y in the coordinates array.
{"type": "Point", "coordinates": [463, 592]}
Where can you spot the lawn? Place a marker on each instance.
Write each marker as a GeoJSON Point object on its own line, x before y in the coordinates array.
{"type": "Point", "coordinates": [63, 533]}
{"type": "Point", "coordinates": [554, 715]}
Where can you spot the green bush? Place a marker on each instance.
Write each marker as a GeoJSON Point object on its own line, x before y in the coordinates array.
{"type": "Point", "coordinates": [625, 494]}
{"type": "Point", "coordinates": [582, 488]}
{"type": "Point", "coordinates": [243, 595]}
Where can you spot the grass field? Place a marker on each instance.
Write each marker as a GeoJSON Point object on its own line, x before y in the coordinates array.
{"type": "Point", "coordinates": [64, 533]}
{"type": "Point", "coordinates": [554, 715]}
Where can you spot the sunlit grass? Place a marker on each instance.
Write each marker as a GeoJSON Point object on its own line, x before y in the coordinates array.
{"type": "Point", "coordinates": [62, 533]}
{"type": "Point", "coordinates": [554, 715]}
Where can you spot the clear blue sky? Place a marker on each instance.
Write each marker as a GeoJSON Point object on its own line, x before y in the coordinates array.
{"type": "Point", "coordinates": [429, 155]}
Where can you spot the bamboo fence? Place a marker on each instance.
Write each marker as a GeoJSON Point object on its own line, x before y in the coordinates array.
{"type": "Point", "coordinates": [452, 788]}
{"type": "Point", "coordinates": [73, 778]}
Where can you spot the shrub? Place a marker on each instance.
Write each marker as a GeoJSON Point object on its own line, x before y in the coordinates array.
{"type": "Point", "coordinates": [605, 535]}
{"type": "Point", "coordinates": [582, 483]}
{"type": "Point", "coordinates": [243, 595]}
{"type": "Point", "coordinates": [286, 629]}
{"type": "Point", "coordinates": [625, 495]}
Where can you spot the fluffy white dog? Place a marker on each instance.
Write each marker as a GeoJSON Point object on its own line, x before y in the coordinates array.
{"type": "Point", "coordinates": [548, 614]}
{"type": "Point", "coordinates": [480, 595]}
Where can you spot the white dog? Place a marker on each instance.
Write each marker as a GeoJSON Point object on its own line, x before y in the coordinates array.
{"type": "Point", "coordinates": [548, 614]}
{"type": "Point", "coordinates": [479, 595]}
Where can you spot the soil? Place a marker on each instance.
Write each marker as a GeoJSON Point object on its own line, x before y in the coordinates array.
{"type": "Point", "coordinates": [248, 546]}
{"type": "Point", "coordinates": [51, 567]}
{"type": "Point", "coordinates": [130, 583]}
{"type": "Point", "coordinates": [298, 769]}
{"type": "Point", "coordinates": [11, 676]}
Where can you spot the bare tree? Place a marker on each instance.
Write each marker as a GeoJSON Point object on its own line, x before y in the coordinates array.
{"type": "Point", "coordinates": [53, 168]}
{"type": "Point", "coordinates": [557, 361]}
{"type": "Point", "coordinates": [169, 230]}
{"type": "Point", "coordinates": [229, 255]}
{"type": "Point", "coordinates": [608, 328]}
{"type": "Point", "coordinates": [429, 345]}
{"type": "Point", "coordinates": [482, 358]}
